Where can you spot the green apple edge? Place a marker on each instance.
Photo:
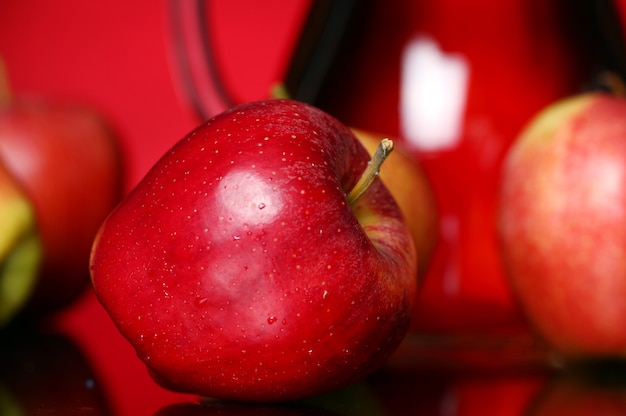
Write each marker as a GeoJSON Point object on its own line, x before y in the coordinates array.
{"type": "Point", "coordinates": [20, 256]}
{"type": "Point", "coordinates": [18, 275]}
{"type": "Point", "coordinates": [8, 406]}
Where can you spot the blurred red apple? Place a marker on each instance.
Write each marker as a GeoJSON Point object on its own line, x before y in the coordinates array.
{"type": "Point", "coordinates": [562, 224]}
{"type": "Point", "coordinates": [68, 160]}
{"type": "Point", "coordinates": [20, 248]}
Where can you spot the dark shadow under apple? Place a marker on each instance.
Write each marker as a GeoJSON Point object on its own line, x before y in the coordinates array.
{"type": "Point", "coordinates": [46, 373]}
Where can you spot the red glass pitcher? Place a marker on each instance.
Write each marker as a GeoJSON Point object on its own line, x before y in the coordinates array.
{"type": "Point", "coordinates": [455, 81]}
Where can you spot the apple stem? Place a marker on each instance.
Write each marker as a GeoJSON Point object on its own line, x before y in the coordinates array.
{"type": "Point", "coordinates": [371, 171]}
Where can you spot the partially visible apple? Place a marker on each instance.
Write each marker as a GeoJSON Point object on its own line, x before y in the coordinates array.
{"type": "Point", "coordinates": [251, 264]}
{"type": "Point", "coordinates": [67, 159]}
{"type": "Point", "coordinates": [562, 224]}
{"type": "Point", "coordinates": [410, 188]}
{"type": "Point", "coordinates": [20, 250]}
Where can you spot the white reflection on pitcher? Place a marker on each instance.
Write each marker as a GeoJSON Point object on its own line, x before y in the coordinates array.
{"type": "Point", "coordinates": [433, 94]}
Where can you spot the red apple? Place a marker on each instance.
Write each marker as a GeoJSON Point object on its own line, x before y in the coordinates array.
{"type": "Point", "coordinates": [562, 224]}
{"type": "Point", "coordinates": [408, 184]}
{"type": "Point", "coordinates": [20, 248]}
{"type": "Point", "coordinates": [67, 159]}
{"type": "Point", "coordinates": [245, 266]}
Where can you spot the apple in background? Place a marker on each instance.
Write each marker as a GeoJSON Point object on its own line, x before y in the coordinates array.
{"type": "Point", "coordinates": [20, 249]}
{"type": "Point", "coordinates": [67, 159]}
{"type": "Point", "coordinates": [562, 224]}
{"type": "Point", "coordinates": [246, 266]}
{"type": "Point", "coordinates": [410, 188]}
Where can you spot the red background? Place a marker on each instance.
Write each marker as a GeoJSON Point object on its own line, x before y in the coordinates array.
{"type": "Point", "coordinates": [118, 57]}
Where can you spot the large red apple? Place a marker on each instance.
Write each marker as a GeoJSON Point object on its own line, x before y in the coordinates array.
{"type": "Point", "coordinates": [244, 266]}
{"type": "Point", "coordinates": [67, 159]}
{"type": "Point", "coordinates": [562, 224]}
{"type": "Point", "coordinates": [20, 248]}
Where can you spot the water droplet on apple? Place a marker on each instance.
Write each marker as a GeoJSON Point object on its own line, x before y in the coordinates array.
{"type": "Point", "coordinates": [261, 205]}
{"type": "Point", "coordinates": [271, 320]}
{"type": "Point", "coordinates": [236, 238]}
{"type": "Point", "coordinates": [200, 301]}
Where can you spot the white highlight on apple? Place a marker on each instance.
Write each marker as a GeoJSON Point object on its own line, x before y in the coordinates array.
{"type": "Point", "coordinates": [433, 94]}
{"type": "Point", "coordinates": [248, 199]}
{"type": "Point", "coordinates": [605, 194]}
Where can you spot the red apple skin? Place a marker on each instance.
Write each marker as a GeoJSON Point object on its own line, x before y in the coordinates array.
{"type": "Point", "coordinates": [68, 160]}
{"type": "Point", "coordinates": [237, 269]}
{"type": "Point", "coordinates": [562, 224]}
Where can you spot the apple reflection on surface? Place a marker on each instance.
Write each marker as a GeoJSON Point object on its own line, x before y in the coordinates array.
{"type": "Point", "coordinates": [590, 389]}
{"type": "Point", "coordinates": [401, 392]}
{"type": "Point", "coordinates": [234, 409]}
{"type": "Point", "coordinates": [440, 393]}
{"type": "Point", "coordinates": [46, 374]}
